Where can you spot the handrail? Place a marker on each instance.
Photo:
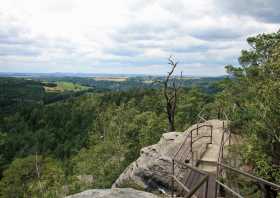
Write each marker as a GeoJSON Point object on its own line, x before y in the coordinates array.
{"type": "Point", "coordinates": [198, 185]}
{"type": "Point", "coordinates": [189, 150]}
{"type": "Point", "coordinates": [200, 126]}
{"type": "Point", "coordinates": [194, 140]}
{"type": "Point", "coordinates": [229, 189]}
{"type": "Point", "coordinates": [181, 184]}
{"type": "Point", "coordinates": [220, 165]}
{"type": "Point", "coordinates": [219, 157]}
{"type": "Point", "coordinates": [221, 151]}
{"type": "Point", "coordinates": [251, 176]}
{"type": "Point", "coordinates": [191, 167]}
{"type": "Point", "coordinates": [181, 145]}
{"type": "Point", "coordinates": [192, 191]}
{"type": "Point", "coordinates": [190, 135]}
{"type": "Point", "coordinates": [189, 139]}
{"type": "Point", "coordinates": [258, 179]}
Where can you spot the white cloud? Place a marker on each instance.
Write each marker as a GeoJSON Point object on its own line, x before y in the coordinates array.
{"type": "Point", "coordinates": [125, 36]}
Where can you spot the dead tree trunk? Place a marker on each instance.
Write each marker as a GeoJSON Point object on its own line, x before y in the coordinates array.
{"type": "Point", "coordinates": [170, 91]}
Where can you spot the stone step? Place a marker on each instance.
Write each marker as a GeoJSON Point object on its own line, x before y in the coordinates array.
{"type": "Point", "coordinates": [212, 153]}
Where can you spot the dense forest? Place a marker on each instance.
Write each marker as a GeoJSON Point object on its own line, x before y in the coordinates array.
{"type": "Point", "coordinates": [84, 134]}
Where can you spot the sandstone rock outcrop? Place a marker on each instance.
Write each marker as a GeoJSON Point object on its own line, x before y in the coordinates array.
{"type": "Point", "coordinates": [113, 193]}
{"type": "Point", "coordinates": [152, 169]}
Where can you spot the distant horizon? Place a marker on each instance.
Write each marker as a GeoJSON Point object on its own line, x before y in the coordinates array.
{"type": "Point", "coordinates": [74, 74]}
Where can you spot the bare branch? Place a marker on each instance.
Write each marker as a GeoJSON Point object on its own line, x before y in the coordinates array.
{"type": "Point", "coordinates": [170, 90]}
{"type": "Point", "coordinates": [38, 173]}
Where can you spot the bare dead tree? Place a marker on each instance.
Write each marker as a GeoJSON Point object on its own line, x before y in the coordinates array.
{"type": "Point", "coordinates": [170, 91]}
{"type": "Point", "coordinates": [38, 174]}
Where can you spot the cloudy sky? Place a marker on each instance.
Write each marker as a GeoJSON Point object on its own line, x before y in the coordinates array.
{"type": "Point", "coordinates": [129, 36]}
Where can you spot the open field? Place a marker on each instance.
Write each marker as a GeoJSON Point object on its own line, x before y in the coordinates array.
{"type": "Point", "coordinates": [149, 81]}
{"type": "Point", "coordinates": [65, 86]}
{"type": "Point", "coordinates": [115, 79]}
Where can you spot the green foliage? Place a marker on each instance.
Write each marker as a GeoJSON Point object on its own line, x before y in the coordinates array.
{"type": "Point", "coordinates": [17, 93]}
{"type": "Point", "coordinates": [191, 102]}
{"type": "Point", "coordinates": [32, 177]}
{"type": "Point", "coordinates": [88, 137]}
{"type": "Point", "coordinates": [102, 161]}
{"type": "Point", "coordinates": [3, 137]}
{"type": "Point", "coordinates": [122, 132]}
{"type": "Point", "coordinates": [251, 98]}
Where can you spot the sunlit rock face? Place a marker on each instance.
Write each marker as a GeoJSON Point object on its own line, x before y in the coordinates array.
{"type": "Point", "coordinates": [113, 193]}
{"type": "Point", "coordinates": [152, 170]}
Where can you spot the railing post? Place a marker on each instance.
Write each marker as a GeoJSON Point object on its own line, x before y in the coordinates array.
{"type": "Point", "coordinates": [191, 147]}
{"type": "Point", "coordinates": [191, 141]}
{"type": "Point", "coordinates": [216, 189]}
{"type": "Point", "coordinates": [172, 181]}
{"type": "Point", "coordinates": [222, 152]}
{"type": "Point", "coordinates": [217, 177]}
{"type": "Point", "coordinates": [192, 158]}
{"type": "Point", "coordinates": [229, 141]}
{"type": "Point", "coordinates": [206, 188]}
{"type": "Point", "coordinates": [211, 134]}
{"type": "Point", "coordinates": [196, 129]}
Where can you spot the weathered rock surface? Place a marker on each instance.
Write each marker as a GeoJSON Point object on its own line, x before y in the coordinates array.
{"type": "Point", "coordinates": [152, 169]}
{"type": "Point", "coordinates": [113, 193]}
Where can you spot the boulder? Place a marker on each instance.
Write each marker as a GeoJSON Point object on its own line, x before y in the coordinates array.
{"type": "Point", "coordinates": [113, 193]}
{"type": "Point", "coordinates": [152, 170]}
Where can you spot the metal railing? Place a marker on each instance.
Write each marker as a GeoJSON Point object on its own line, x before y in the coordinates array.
{"type": "Point", "coordinates": [219, 173]}
{"type": "Point", "coordinates": [221, 167]}
{"type": "Point", "coordinates": [259, 181]}
{"type": "Point", "coordinates": [180, 185]}
{"type": "Point", "coordinates": [188, 193]}
{"type": "Point", "coordinates": [190, 140]}
{"type": "Point", "coordinates": [224, 139]}
{"type": "Point", "coordinates": [180, 161]}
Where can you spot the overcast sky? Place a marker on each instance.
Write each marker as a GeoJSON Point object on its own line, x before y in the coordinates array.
{"type": "Point", "coordinates": [129, 36]}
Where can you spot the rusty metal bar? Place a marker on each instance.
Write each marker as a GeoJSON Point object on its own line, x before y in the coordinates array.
{"type": "Point", "coordinates": [206, 188]}
{"type": "Point", "coordinates": [229, 189]}
{"type": "Point", "coordinates": [221, 146]}
{"type": "Point", "coordinates": [181, 184]}
{"type": "Point", "coordinates": [172, 179]}
{"type": "Point", "coordinates": [175, 161]}
{"type": "Point", "coordinates": [201, 137]}
{"type": "Point", "coordinates": [229, 141]}
{"type": "Point", "coordinates": [197, 186]}
{"type": "Point", "coordinates": [191, 167]}
{"type": "Point", "coordinates": [251, 176]}
{"type": "Point", "coordinates": [190, 135]}
{"type": "Point", "coordinates": [220, 158]}
{"type": "Point", "coordinates": [211, 134]}
{"type": "Point", "coordinates": [220, 165]}
{"type": "Point", "coordinates": [186, 189]}
{"type": "Point", "coordinates": [216, 189]}
{"type": "Point", "coordinates": [182, 145]}
{"type": "Point", "coordinates": [204, 125]}
{"type": "Point", "coordinates": [191, 141]}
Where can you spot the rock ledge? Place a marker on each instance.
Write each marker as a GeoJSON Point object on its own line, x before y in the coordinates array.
{"type": "Point", "coordinates": [113, 193]}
